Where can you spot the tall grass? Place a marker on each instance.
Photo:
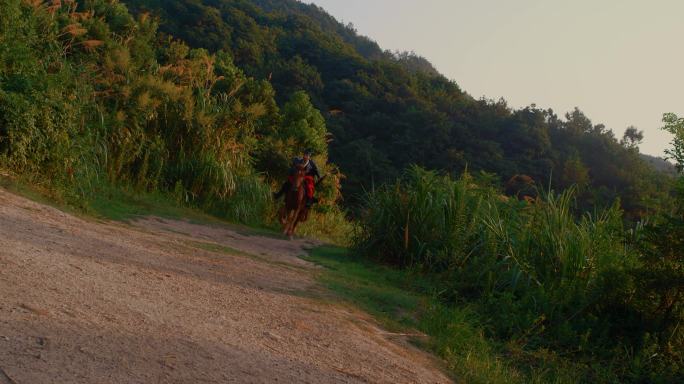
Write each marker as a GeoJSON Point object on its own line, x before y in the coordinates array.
{"type": "Point", "coordinates": [250, 202]}
{"type": "Point", "coordinates": [544, 277]}
{"type": "Point", "coordinates": [329, 224]}
{"type": "Point", "coordinates": [424, 220]}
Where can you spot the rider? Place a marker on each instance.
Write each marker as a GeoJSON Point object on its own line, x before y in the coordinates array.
{"type": "Point", "coordinates": [311, 171]}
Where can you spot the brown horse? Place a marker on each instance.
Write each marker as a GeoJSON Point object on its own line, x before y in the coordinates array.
{"type": "Point", "coordinates": [295, 210]}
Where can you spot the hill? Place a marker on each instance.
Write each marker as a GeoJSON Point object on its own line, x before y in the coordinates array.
{"type": "Point", "coordinates": [387, 111]}
{"type": "Point", "coordinates": [660, 164]}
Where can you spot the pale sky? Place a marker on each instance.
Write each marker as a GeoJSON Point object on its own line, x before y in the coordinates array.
{"type": "Point", "coordinates": [620, 61]}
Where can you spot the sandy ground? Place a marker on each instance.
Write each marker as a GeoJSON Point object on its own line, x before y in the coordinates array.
{"type": "Point", "coordinates": [161, 301]}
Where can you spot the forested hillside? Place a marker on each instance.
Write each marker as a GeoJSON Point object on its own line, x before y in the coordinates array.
{"type": "Point", "coordinates": [386, 111]}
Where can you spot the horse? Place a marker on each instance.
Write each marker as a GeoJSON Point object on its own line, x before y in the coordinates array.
{"type": "Point", "coordinates": [295, 210]}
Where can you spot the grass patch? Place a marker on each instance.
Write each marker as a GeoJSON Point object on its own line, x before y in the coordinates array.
{"type": "Point", "coordinates": [219, 248]}
{"type": "Point", "coordinates": [379, 291]}
{"type": "Point", "coordinates": [34, 192]}
{"type": "Point", "coordinates": [107, 202]}
{"type": "Point", "coordinates": [405, 301]}
{"type": "Point", "coordinates": [122, 204]}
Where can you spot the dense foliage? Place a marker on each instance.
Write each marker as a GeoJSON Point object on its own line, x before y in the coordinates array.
{"type": "Point", "coordinates": [90, 95]}
{"type": "Point", "coordinates": [586, 292]}
{"type": "Point", "coordinates": [387, 111]}
{"type": "Point", "coordinates": [546, 280]}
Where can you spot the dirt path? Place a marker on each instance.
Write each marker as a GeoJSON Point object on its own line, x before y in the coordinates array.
{"type": "Point", "coordinates": [164, 301]}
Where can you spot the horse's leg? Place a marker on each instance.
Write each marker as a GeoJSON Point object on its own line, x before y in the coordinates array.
{"type": "Point", "coordinates": [287, 223]}
{"type": "Point", "coordinates": [294, 224]}
{"type": "Point", "coordinates": [302, 215]}
{"type": "Point", "coordinates": [295, 219]}
{"type": "Point", "coordinates": [301, 212]}
{"type": "Point", "coordinates": [301, 205]}
{"type": "Point", "coordinates": [291, 224]}
{"type": "Point", "coordinates": [282, 212]}
{"type": "Point", "coordinates": [291, 217]}
{"type": "Point", "coordinates": [285, 218]}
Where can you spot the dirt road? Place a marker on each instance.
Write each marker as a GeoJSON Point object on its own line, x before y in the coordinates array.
{"type": "Point", "coordinates": [162, 301]}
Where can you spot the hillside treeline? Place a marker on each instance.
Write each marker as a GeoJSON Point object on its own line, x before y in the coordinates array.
{"type": "Point", "coordinates": [387, 111]}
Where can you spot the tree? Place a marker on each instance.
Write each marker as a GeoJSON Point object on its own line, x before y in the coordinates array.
{"type": "Point", "coordinates": [632, 138]}
{"type": "Point", "coordinates": [659, 277]}
{"type": "Point", "coordinates": [675, 126]}
{"type": "Point", "coordinates": [575, 173]}
{"type": "Point", "coordinates": [302, 126]}
{"type": "Point", "coordinates": [577, 122]}
{"type": "Point", "coordinates": [303, 123]}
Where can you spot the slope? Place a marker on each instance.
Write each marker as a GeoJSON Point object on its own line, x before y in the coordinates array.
{"type": "Point", "coordinates": [158, 300]}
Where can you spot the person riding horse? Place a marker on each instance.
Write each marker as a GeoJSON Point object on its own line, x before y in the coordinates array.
{"type": "Point", "coordinates": [311, 172]}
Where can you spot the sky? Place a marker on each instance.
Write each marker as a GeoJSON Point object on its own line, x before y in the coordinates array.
{"type": "Point", "coordinates": [620, 61]}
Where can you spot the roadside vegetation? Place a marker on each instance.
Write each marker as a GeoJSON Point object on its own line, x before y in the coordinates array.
{"type": "Point", "coordinates": [571, 297]}
{"type": "Point", "coordinates": [95, 106]}
{"type": "Point", "coordinates": [513, 292]}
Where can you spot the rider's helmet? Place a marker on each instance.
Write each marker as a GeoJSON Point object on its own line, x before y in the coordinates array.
{"type": "Point", "coordinates": [308, 152]}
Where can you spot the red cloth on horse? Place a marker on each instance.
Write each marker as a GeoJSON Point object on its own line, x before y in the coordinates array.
{"type": "Point", "coordinates": [309, 185]}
